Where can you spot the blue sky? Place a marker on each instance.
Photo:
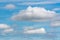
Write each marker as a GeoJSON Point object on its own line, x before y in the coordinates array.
{"type": "Point", "coordinates": [30, 20]}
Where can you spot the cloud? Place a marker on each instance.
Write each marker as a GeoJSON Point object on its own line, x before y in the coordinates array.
{"type": "Point", "coordinates": [8, 30]}
{"type": "Point", "coordinates": [39, 2]}
{"type": "Point", "coordinates": [35, 31]}
{"type": "Point", "coordinates": [10, 6]}
{"type": "Point", "coordinates": [4, 28]}
{"type": "Point", "coordinates": [34, 14]}
{"type": "Point", "coordinates": [34, 3]}
{"type": "Point", "coordinates": [55, 23]}
{"type": "Point", "coordinates": [28, 28]}
{"type": "Point", "coordinates": [56, 9]}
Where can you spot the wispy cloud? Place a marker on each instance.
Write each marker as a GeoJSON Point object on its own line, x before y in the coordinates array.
{"type": "Point", "coordinates": [28, 2]}
{"type": "Point", "coordinates": [35, 31]}
{"type": "Point", "coordinates": [56, 9]}
{"type": "Point", "coordinates": [33, 3]}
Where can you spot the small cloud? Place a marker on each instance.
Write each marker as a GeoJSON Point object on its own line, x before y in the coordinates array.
{"type": "Point", "coordinates": [10, 6]}
{"type": "Point", "coordinates": [5, 29]}
{"type": "Point", "coordinates": [56, 9]}
{"type": "Point", "coordinates": [4, 26]}
{"type": "Point", "coordinates": [8, 30]}
{"type": "Point", "coordinates": [35, 31]}
{"type": "Point", "coordinates": [34, 14]}
{"type": "Point", "coordinates": [28, 28]}
{"type": "Point", "coordinates": [55, 23]}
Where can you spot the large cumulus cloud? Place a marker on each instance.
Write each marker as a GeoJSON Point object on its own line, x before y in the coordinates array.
{"type": "Point", "coordinates": [34, 14]}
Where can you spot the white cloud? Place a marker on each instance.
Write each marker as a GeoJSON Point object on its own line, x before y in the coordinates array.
{"type": "Point", "coordinates": [10, 6]}
{"type": "Point", "coordinates": [28, 28]}
{"type": "Point", "coordinates": [34, 14]}
{"type": "Point", "coordinates": [10, 0]}
{"type": "Point", "coordinates": [39, 2]}
{"type": "Point", "coordinates": [6, 28]}
{"type": "Point", "coordinates": [55, 23]}
{"type": "Point", "coordinates": [56, 9]}
{"type": "Point", "coordinates": [35, 31]}
{"type": "Point", "coordinates": [34, 3]}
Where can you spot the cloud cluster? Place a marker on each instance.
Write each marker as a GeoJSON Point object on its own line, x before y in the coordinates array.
{"type": "Point", "coordinates": [34, 14]}
{"type": "Point", "coordinates": [5, 28]}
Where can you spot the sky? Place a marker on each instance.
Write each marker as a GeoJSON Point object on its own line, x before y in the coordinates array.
{"type": "Point", "coordinates": [29, 19]}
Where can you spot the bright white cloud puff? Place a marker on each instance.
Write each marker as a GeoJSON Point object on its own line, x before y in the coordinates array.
{"type": "Point", "coordinates": [34, 14]}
